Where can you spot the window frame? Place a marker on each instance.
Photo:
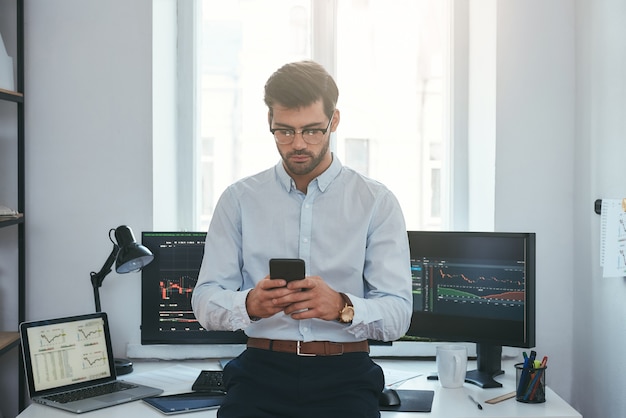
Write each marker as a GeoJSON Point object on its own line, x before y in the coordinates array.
{"type": "Point", "coordinates": [188, 185]}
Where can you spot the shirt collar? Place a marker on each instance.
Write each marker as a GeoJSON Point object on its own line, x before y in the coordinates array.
{"type": "Point", "coordinates": [322, 181]}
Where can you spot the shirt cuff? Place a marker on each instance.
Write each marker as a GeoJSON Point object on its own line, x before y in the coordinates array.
{"type": "Point", "coordinates": [240, 318]}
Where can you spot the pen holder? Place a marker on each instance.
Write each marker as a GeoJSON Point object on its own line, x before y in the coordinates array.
{"type": "Point", "coordinates": [530, 384]}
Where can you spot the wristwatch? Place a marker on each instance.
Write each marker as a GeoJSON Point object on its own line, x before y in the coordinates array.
{"type": "Point", "coordinates": [346, 314]}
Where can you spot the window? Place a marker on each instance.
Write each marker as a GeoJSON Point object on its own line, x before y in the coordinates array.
{"type": "Point", "coordinates": [390, 59]}
{"type": "Point", "coordinates": [357, 154]}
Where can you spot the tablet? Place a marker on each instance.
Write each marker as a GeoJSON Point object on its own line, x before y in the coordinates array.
{"type": "Point", "coordinates": [184, 402]}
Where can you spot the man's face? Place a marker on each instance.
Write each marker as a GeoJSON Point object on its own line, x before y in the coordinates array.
{"type": "Point", "coordinates": [299, 157]}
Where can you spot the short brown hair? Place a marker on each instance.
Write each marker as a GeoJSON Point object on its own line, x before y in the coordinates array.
{"type": "Point", "coordinates": [300, 84]}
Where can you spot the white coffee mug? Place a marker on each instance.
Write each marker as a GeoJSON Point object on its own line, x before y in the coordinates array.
{"type": "Point", "coordinates": [451, 365]}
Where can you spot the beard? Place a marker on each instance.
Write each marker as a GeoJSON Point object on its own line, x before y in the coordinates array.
{"type": "Point", "coordinates": [300, 169]}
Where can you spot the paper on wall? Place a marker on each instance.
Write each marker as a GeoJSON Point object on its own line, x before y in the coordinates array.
{"type": "Point", "coordinates": [613, 237]}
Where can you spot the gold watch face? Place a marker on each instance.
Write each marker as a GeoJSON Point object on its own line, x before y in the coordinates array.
{"type": "Point", "coordinates": [347, 314]}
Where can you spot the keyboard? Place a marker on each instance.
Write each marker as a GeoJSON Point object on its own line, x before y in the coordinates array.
{"type": "Point", "coordinates": [90, 392]}
{"type": "Point", "coordinates": [209, 381]}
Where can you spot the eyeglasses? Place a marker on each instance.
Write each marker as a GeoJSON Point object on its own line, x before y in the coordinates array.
{"type": "Point", "coordinates": [311, 136]}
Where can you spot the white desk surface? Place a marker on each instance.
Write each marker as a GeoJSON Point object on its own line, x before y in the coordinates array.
{"type": "Point", "coordinates": [178, 376]}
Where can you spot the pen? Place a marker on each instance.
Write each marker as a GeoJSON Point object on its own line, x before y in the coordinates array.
{"type": "Point", "coordinates": [527, 372]}
{"type": "Point", "coordinates": [475, 401]}
{"type": "Point", "coordinates": [522, 381]}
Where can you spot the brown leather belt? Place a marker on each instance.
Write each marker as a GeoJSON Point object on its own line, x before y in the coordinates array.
{"type": "Point", "coordinates": [311, 348]}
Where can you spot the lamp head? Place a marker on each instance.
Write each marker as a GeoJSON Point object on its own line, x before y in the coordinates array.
{"type": "Point", "coordinates": [131, 256]}
{"type": "Point", "coordinates": [126, 254]}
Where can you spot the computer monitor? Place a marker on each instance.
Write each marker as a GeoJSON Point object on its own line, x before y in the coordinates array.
{"type": "Point", "coordinates": [166, 287]}
{"type": "Point", "coordinates": [476, 287]}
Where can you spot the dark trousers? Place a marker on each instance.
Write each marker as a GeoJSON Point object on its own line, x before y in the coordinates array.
{"type": "Point", "coordinates": [263, 383]}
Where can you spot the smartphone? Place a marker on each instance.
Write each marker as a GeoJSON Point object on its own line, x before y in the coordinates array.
{"type": "Point", "coordinates": [287, 268]}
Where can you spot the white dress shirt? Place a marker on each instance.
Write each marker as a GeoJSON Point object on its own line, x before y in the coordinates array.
{"type": "Point", "coordinates": [347, 228]}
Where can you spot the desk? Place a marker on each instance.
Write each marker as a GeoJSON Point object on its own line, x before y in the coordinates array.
{"type": "Point", "coordinates": [448, 403]}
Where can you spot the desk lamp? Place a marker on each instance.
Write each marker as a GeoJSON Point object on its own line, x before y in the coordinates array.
{"type": "Point", "coordinates": [128, 256]}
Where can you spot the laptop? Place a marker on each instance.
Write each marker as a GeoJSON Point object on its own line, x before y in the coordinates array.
{"type": "Point", "coordinates": [66, 357]}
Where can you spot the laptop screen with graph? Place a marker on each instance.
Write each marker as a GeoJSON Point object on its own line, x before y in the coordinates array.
{"type": "Point", "coordinates": [63, 357]}
{"type": "Point", "coordinates": [68, 353]}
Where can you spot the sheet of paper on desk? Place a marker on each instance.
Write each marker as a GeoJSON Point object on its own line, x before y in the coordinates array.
{"type": "Point", "coordinates": [395, 377]}
{"type": "Point", "coordinates": [172, 379]}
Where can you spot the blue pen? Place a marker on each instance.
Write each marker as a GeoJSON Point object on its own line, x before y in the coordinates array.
{"type": "Point", "coordinates": [528, 364]}
{"type": "Point", "coordinates": [520, 384]}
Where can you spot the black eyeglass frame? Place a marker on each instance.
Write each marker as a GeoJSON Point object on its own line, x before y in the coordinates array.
{"type": "Point", "coordinates": [293, 133]}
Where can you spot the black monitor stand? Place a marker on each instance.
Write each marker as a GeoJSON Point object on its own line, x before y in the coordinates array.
{"type": "Point", "coordinates": [488, 366]}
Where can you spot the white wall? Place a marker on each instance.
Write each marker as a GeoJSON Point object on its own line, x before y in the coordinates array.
{"type": "Point", "coordinates": [88, 152]}
{"type": "Point", "coordinates": [560, 100]}
{"type": "Point", "coordinates": [164, 104]}
{"type": "Point", "coordinates": [482, 110]}
{"type": "Point", "coordinates": [535, 119]}
{"type": "Point", "coordinates": [599, 364]}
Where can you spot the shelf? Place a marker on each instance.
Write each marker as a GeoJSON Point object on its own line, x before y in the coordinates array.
{"type": "Point", "coordinates": [13, 221]}
{"type": "Point", "coordinates": [8, 340]}
{"type": "Point", "coordinates": [11, 96]}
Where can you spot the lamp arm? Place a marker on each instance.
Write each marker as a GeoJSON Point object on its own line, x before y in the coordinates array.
{"type": "Point", "coordinates": [98, 278]}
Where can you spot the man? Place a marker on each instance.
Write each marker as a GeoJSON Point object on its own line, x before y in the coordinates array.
{"type": "Point", "coordinates": [307, 353]}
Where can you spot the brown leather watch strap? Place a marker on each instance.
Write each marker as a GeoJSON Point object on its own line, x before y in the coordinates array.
{"type": "Point", "coordinates": [346, 299]}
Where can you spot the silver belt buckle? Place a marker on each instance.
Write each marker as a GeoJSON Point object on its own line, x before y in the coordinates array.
{"type": "Point", "coordinates": [300, 353]}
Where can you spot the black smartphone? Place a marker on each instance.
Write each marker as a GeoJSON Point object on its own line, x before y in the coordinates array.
{"type": "Point", "coordinates": [287, 268]}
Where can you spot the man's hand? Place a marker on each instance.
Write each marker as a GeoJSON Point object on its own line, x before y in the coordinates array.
{"type": "Point", "coordinates": [262, 301]}
{"type": "Point", "coordinates": [311, 297]}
